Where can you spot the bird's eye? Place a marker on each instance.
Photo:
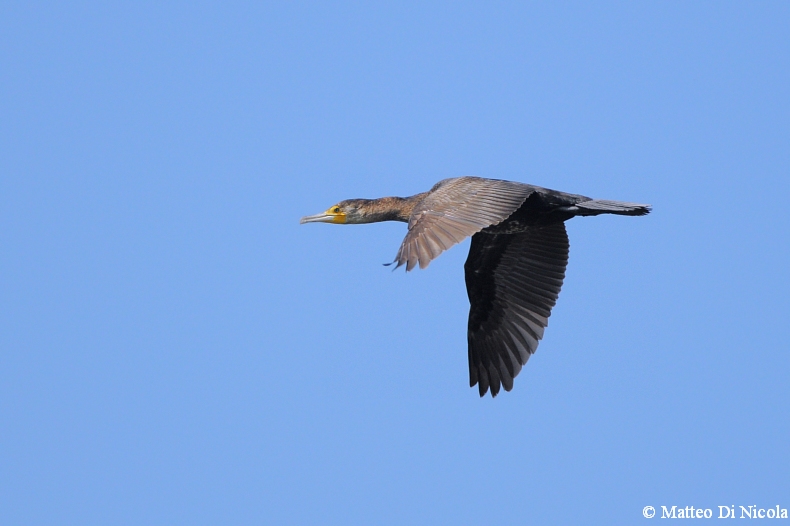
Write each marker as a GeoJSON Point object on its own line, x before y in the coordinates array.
{"type": "Point", "coordinates": [336, 210]}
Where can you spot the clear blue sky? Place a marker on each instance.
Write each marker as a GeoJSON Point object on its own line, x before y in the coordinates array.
{"type": "Point", "coordinates": [176, 349]}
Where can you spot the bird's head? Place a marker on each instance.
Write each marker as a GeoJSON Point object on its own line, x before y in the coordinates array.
{"type": "Point", "coordinates": [348, 212]}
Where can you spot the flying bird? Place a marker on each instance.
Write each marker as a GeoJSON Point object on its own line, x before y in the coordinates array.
{"type": "Point", "coordinates": [516, 261]}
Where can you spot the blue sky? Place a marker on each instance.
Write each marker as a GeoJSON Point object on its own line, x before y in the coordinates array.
{"type": "Point", "coordinates": [177, 349]}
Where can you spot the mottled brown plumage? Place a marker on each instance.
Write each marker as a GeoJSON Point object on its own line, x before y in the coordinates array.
{"type": "Point", "coordinates": [516, 263]}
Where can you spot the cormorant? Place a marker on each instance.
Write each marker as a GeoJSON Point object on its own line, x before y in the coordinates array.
{"type": "Point", "coordinates": [516, 261]}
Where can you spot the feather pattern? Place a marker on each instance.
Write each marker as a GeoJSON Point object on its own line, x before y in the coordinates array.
{"type": "Point", "coordinates": [455, 209]}
{"type": "Point", "coordinates": [513, 282]}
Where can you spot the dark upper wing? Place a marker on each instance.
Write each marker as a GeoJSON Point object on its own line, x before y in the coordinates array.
{"type": "Point", "coordinates": [455, 209]}
{"type": "Point", "coordinates": [513, 282]}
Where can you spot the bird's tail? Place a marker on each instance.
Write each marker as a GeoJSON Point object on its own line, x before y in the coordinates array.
{"type": "Point", "coordinates": [595, 207]}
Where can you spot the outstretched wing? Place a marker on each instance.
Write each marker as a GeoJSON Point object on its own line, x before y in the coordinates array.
{"type": "Point", "coordinates": [513, 281]}
{"type": "Point", "coordinates": [455, 209]}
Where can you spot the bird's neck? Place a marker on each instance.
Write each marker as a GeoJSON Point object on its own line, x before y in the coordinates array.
{"type": "Point", "coordinates": [393, 208]}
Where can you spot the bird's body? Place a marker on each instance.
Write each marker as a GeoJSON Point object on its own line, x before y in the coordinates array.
{"type": "Point", "coordinates": [516, 261]}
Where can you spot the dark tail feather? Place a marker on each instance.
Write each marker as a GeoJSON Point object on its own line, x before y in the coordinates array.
{"type": "Point", "coordinates": [601, 206]}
